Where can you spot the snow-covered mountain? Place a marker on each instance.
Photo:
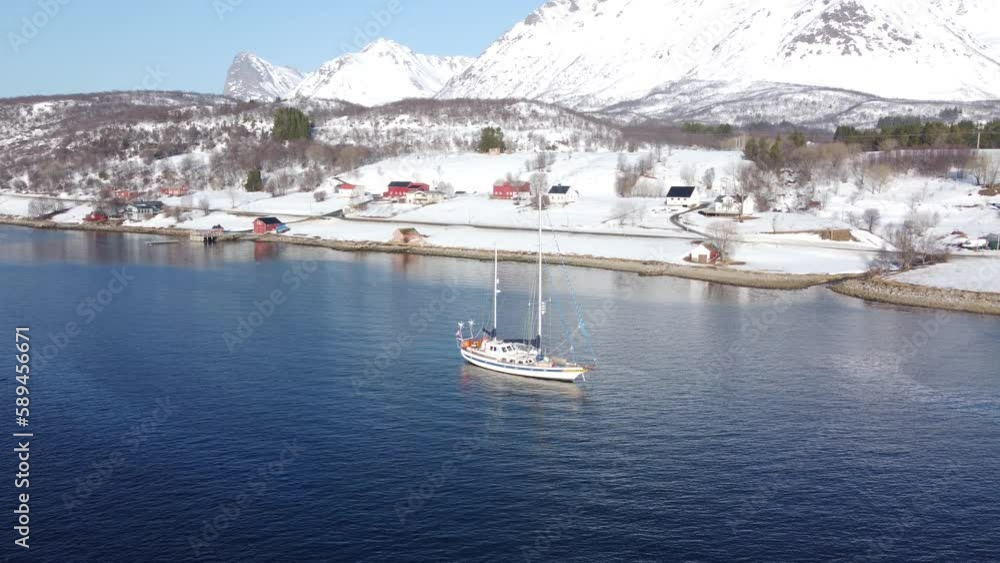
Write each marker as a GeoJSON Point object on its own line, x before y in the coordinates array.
{"type": "Point", "coordinates": [592, 54]}
{"type": "Point", "coordinates": [979, 17]}
{"type": "Point", "coordinates": [252, 78]}
{"type": "Point", "coordinates": [382, 72]}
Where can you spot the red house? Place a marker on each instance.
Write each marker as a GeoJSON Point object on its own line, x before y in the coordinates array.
{"type": "Point", "coordinates": [345, 187]}
{"type": "Point", "coordinates": [509, 190]}
{"type": "Point", "coordinates": [264, 225]}
{"type": "Point", "coordinates": [126, 194]}
{"type": "Point", "coordinates": [96, 217]}
{"type": "Point", "coordinates": [176, 191]}
{"type": "Point", "coordinates": [398, 190]}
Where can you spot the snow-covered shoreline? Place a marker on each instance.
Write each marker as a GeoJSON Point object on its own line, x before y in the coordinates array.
{"type": "Point", "coordinates": [873, 289]}
{"type": "Point", "coordinates": [726, 276]}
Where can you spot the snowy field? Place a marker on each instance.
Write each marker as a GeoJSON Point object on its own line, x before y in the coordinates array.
{"type": "Point", "coordinates": [969, 274]}
{"type": "Point", "coordinates": [759, 257]}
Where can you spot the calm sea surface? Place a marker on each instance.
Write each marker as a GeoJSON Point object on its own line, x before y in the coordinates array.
{"type": "Point", "coordinates": [258, 402]}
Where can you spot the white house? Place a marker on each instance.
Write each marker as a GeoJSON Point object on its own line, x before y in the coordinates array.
{"type": "Point", "coordinates": [562, 195]}
{"type": "Point", "coordinates": [683, 196]}
{"type": "Point", "coordinates": [349, 190]}
{"type": "Point", "coordinates": [142, 210]}
{"type": "Point", "coordinates": [425, 198]}
{"type": "Point", "coordinates": [726, 205]}
{"type": "Point", "coordinates": [705, 253]}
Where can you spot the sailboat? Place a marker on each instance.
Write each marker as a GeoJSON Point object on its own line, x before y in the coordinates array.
{"type": "Point", "coordinates": [522, 358]}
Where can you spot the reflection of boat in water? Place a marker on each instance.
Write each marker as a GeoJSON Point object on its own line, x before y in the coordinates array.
{"type": "Point", "coordinates": [522, 358]}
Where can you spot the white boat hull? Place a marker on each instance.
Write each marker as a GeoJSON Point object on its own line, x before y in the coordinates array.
{"type": "Point", "coordinates": [564, 374]}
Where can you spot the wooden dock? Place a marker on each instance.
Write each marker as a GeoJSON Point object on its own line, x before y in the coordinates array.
{"type": "Point", "coordinates": [214, 237]}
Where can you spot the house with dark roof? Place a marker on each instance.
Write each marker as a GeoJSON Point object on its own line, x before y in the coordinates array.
{"type": "Point", "coordinates": [682, 196]}
{"type": "Point", "coordinates": [142, 210]}
{"type": "Point", "coordinates": [562, 195]}
{"type": "Point", "coordinates": [264, 225]}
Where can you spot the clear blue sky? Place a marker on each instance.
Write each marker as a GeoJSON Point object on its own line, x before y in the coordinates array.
{"type": "Point", "coordinates": [97, 45]}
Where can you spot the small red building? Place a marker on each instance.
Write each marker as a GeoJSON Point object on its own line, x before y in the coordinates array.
{"type": "Point", "coordinates": [345, 187]}
{"type": "Point", "coordinates": [398, 190]}
{"type": "Point", "coordinates": [409, 236]}
{"type": "Point", "coordinates": [126, 194]}
{"type": "Point", "coordinates": [510, 190]}
{"type": "Point", "coordinates": [175, 191]}
{"type": "Point", "coordinates": [96, 217]}
{"type": "Point", "coordinates": [264, 225]}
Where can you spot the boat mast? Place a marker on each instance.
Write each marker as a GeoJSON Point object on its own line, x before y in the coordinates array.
{"type": "Point", "coordinates": [540, 302]}
{"type": "Point", "coordinates": [496, 287]}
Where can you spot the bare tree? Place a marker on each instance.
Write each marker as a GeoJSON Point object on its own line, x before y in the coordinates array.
{"type": "Point", "coordinates": [319, 196]}
{"type": "Point", "coordinates": [724, 235]}
{"type": "Point", "coordinates": [986, 171]}
{"type": "Point", "coordinates": [708, 179]}
{"type": "Point", "coordinates": [186, 168]}
{"type": "Point", "coordinates": [915, 246]}
{"type": "Point", "coordinates": [539, 184]}
{"type": "Point", "coordinates": [879, 176]}
{"type": "Point", "coordinates": [688, 174]}
{"type": "Point", "coordinates": [175, 213]}
{"type": "Point", "coordinates": [859, 171]}
{"type": "Point", "coordinates": [871, 219]}
{"type": "Point", "coordinates": [39, 207]}
{"type": "Point", "coordinates": [205, 205]}
{"type": "Point", "coordinates": [749, 182]}
{"type": "Point", "coordinates": [446, 188]}
{"type": "Point", "coordinates": [623, 213]}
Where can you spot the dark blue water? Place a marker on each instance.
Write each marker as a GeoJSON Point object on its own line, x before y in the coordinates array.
{"type": "Point", "coordinates": [724, 423]}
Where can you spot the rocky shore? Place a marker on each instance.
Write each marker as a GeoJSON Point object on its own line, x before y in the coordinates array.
{"type": "Point", "coordinates": [882, 290]}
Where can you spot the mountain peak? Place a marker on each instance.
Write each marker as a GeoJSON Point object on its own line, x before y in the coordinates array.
{"type": "Point", "coordinates": [252, 78]}
{"type": "Point", "coordinates": [383, 45]}
{"type": "Point", "coordinates": [383, 72]}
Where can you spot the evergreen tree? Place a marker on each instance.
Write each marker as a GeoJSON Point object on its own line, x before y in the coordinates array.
{"type": "Point", "coordinates": [775, 158]}
{"type": "Point", "coordinates": [751, 151]}
{"type": "Point", "coordinates": [290, 124]}
{"type": "Point", "coordinates": [491, 138]}
{"type": "Point", "coordinates": [798, 139]}
{"type": "Point", "coordinates": [254, 181]}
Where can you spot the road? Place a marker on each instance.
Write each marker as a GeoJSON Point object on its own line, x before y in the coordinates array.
{"type": "Point", "coordinates": [676, 220]}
